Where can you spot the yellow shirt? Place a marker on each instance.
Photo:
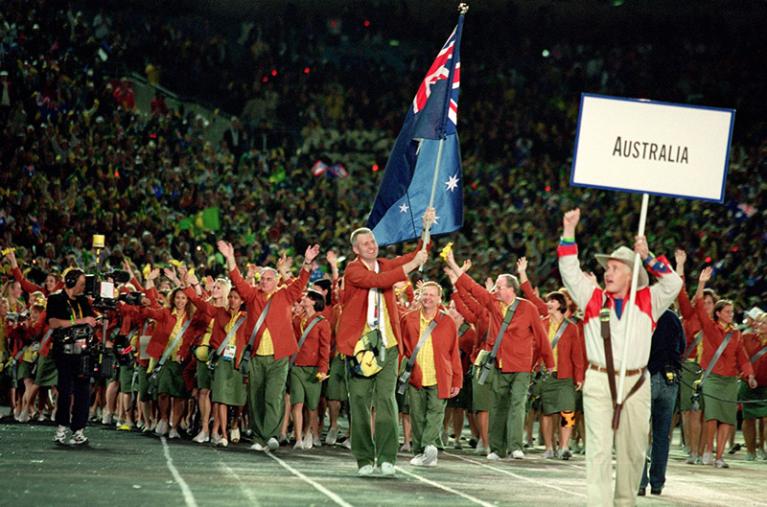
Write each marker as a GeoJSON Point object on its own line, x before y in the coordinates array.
{"type": "Point", "coordinates": [176, 329]}
{"type": "Point", "coordinates": [266, 346]}
{"type": "Point", "coordinates": [231, 349]}
{"type": "Point", "coordinates": [425, 357]}
{"type": "Point", "coordinates": [553, 328]}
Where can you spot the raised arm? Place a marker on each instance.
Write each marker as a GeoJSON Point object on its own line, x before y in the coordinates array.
{"type": "Point", "coordinates": [26, 285]}
{"type": "Point", "coordinates": [247, 292]}
{"type": "Point", "coordinates": [296, 287]}
{"type": "Point", "coordinates": [527, 288]}
{"type": "Point", "coordinates": [357, 275]}
{"type": "Point", "coordinates": [575, 280]}
{"type": "Point", "coordinates": [667, 288]}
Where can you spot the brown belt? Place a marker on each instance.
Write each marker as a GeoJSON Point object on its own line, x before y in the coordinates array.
{"type": "Point", "coordinates": [629, 373]}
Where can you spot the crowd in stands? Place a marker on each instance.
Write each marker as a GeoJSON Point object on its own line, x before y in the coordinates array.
{"type": "Point", "coordinates": [77, 157]}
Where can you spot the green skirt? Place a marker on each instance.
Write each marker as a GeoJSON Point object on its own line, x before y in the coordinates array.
{"type": "Point", "coordinates": [753, 410]}
{"type": "Point", "coordinates": [170, 381]}
{"type": "Point", "coordinates": [557, 395]}
{"type": "Point", "coordinates": [126, 379]}
{"type": "Point", "coordinates": [690, 373]}
{"type": "Point", "coordinates": [47, 374]}
{"type": "Point", "coordinates": [25, 370]}
{"type": "Point", "coordinates": [143, 384]}
{"type": "Point", "coordinates": [227, 386]}
{"type": "Point", "coordinates": [336, 383]}
{"type": "Point", "coordinates": [202, 376]}
{"type": "Point", "coordinates": [481, 394]}
{"type": "Point", "coordinates": [304, 387]}
{"type": "Point", "coordinates": [722, 388]}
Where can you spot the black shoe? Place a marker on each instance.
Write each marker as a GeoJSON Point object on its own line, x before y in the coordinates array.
{"type": "Point", "coordinates": [735, 448]}
{"type": "Point", "coordinates": [655, 491]}
{"type": "Point", "coordinates": [473, 443]}
{"type": "Point", "coordinates": [642, 492]}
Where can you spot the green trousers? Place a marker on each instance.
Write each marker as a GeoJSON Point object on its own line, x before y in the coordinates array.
{"type": "Point", "coordinates": [427, 412]}
{"type": "Point", "coordinates": [507, 415]}
{"type": "Point", "coordinates": [266, 396]}
{"type": "Point", "coordinates": [378, 391]}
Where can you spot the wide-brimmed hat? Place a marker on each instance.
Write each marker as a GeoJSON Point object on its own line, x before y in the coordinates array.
{"type": "Point", "coordinates": [625, 255]}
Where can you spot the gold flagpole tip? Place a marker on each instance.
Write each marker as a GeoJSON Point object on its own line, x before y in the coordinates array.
{"type": "Point", "coordinates": [462, 8]}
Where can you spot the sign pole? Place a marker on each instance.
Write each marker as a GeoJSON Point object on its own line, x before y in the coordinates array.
{"type": "Point", "coordinates": [630, 307]}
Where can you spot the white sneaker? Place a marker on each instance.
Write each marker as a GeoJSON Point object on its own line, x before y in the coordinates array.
{"type": "Point", "coordinates": [258, 447]}
{"type": "Point", "coordinates": [308, 443]}
{"type": "Point", "coordinates": [405, 448]}
{"type": "Point", "coordinates": [720, 463]}
{"type": "Point", "coordinates": [201, 438]}
{"type": "Point", "coordinates": [548, 454]}
{"type": "Point", "coordinates": [493, 457]}
{"type": "Point", "coordinates": [691, 459]}
{"type": "Point", "coordinates": [518, 454]}
{"type": "Point", "coordinates": [161, 429]}
{"type": "Point", "coordinates": [41, 417]}
{"type": "Point", "coordinates": [388, 469]}
{"type": "Point", "coordinates": [480, 449]}
{"type": "Point", "coordinates": [60, 437]}
{"type": "Point", "coordinates": [224, 442]}
{"type": "Point", "coordinates": [299, 445]}
{"type": "Point", "coordinates": [106, 419]}
{"type": "Point", "coordinates": [23, 416]}
{"type": "Point", "coordinates": [365, 471]}
{"type": "Point", "coordinates": [235, 435]}
{"type": "Point", "coordinates": [332, 436]}
{"type": "Point", "coordinates": [347, 443]}
{"type": "Point", "coordinates": [708, 458]}
{"type": "Point", "coordinates": [317, 441]}
{"type": "Point", "coordinates": [215, 439]}
{"type": "Point", "coordinates": [430, 456]}
{"type": "Point", "coordinates": [78, 438]}
{"type": "Point", "coordinates": [417, 460]}
{"type": "Point", "coordinates": [173, 434]}
{"type": "Point", "coordinates": [272, 444]}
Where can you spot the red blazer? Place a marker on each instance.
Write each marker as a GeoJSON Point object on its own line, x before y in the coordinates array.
{"type": "Point", "coordinates": [358, 279]}
{"type": "Point", "coordinates": [570, 363]}
{"type": "Point", "coordinates": [475, 314]}
{"type": "Point", "coordinates": [753, 344]}
{"type": "Point", "coordinates": [30, 287]}
{"type": "Point", "coordinates": [221, 318]}
{"type": "Point", "coordinates": [316, 349]}
{"type": "Point", "coordinates": [280, 317]}
{"type": "Point", "coordinates": [691, 323]}
{"type": "Point", "coordinates": [517, 349]}
{"type": "Point", "coordinates": [447, 356]}
{"type": "Point", "coordinates": [733, 358]}
{"type": "Point", "coordinates": [165, 322]}
{"type": "Point", "coordinates": [529, 293]}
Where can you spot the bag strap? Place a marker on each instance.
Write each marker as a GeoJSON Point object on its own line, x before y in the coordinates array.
{"type": "Point", "coordinates": [462, 330]}
{"type": "Point", "coordinates": [46, 338]}
{"type": "Point", "coordinates": [559, 334]}
{"type": "Point", "coordinates": [696, 341]}
{"type": "Point", "coordinates": [717, 356]}
{"type": "Point", "coordinates": [172, 346]}
{"type": "Point", "coordinates": [229, 336]}
{"type": "Point", "coordinates": [259, 323]}
{"type": "Point", "coordinates": [421, 341]}
{"type": "Point", "coordinates": [604, 321]}
{"type": "Point", "coordinates": [305, 335]}
{"type": "Point", "coordinates": [759, 355]}
{"type": "Point", "coordinates": [502, 332]}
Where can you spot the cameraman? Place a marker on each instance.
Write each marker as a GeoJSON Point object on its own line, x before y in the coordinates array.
{"type": "Point", "coordinates": [65, 309]}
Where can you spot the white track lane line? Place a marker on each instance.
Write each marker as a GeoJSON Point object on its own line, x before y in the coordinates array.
{"type": "Point", "coordinates": [445, 488]}
{"type": "Point", "coordinates": [316, 485]}
{"type": "Point", "coordinates": [512, 474]}
{"type": "Point", "coordinates": [247, 493]}
{"type": "Point", "coordinates": [188, 496]}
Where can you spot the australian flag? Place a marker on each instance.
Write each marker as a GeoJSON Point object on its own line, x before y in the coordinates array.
{"type": "Point", "coordinates": [408, 179]}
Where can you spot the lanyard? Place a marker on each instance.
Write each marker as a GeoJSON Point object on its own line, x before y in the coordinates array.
{"type": "Point", "coordinates": [73, 314]}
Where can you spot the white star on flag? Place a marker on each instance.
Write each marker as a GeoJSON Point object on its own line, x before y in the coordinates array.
{"type": "Point", "coordinates": [436, 219]}
{"type": "Point", "coordinates": [403, 208]}
{"type": "Point", "coordinates": [452, 183]}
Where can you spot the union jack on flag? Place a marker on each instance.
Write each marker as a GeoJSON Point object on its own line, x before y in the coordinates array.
{"type": "Point", "coordinates": [440, 70]}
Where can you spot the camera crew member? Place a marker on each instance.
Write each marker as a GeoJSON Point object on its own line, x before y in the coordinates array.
{"type": "Point", "coordinates": [66, 309]}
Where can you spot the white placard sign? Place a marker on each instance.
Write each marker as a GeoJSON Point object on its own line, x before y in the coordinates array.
{"type": "Point", "coordinates": [659, 148]}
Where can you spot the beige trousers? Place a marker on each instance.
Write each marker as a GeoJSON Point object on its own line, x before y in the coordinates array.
{"type": "Point", "coordinates": [630, 440]}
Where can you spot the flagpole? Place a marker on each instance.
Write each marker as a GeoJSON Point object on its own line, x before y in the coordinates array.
{"type": "Point", "coordinates": [426, 235]}
{"type": "Point", "coordinates": [632, 310]}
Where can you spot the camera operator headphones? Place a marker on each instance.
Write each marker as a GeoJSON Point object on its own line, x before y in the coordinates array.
{"type": "Point", "coordinates": [71, 277]}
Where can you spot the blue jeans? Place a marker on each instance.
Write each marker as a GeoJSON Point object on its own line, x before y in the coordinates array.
{"type": "Point", "coordinates": [662, 411]}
